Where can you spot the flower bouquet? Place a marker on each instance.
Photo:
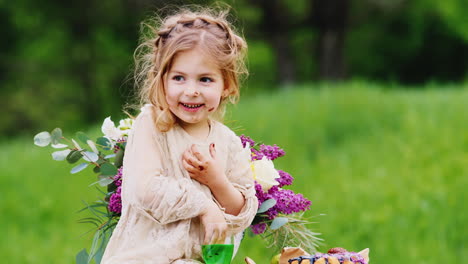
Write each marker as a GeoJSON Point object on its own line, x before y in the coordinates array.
{"type": "Point", "coordinates": [105, 155]}
{"type": "Point", "coordinates": [278, 220]}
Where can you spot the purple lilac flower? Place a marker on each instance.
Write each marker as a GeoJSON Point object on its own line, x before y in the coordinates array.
{"type": "Point", "coordinates": [284, 179]}
{"type": "Point", "coordinates": [259, 228]}
{"type": "Point", "coordinates": [261, 195]}
{"type": "Point", "coordinates": [117, 146]}
{"type": "Point", "coordinates": [115, 201]}
{"type": "Point", "coordinates": [118, 177]}
{"type": "Point", "coordinates": [245, 139]}
{"type": "Point", "coordinates": [288, 202]}
{"type": "Point", "coordinates": [271, 152]}
{"type": "Point", "coordinates": [256, 155]}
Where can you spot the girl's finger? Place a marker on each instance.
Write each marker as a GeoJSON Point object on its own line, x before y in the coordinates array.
{"type": "Point", "coordinates": [209, 235]}
{"type": "Point", "coordinates": [190, 159]}
{"type": "Point", "coordinates": [189, 167]}
{"type": "Point", "coordinates": [197, 154]}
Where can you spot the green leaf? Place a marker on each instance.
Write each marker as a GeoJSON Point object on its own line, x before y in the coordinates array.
{"type": "Point", "coordinates": [90, 156]}
{"type": "Point", "coordinates": [56, 135]}
{"type": "Point", "coordinates": [119, 158]}
{"type": "Point", "coordinates": [42, 139]}
{"type": "Point", "coordinates": [92, 146]}
{"type": "Point", "coordinates": [60, 155]}
{"type": "Point", "coordinates": [96, 169]}
{"type": "Point", "coordinates": [59, 146]}
{"type": "Point", "coordinates": [278, 222]}
{"type": "Point", "coordinates": [109, 156]}
{"type": "Point", "coordinates": [74, 156]}
{"type": "Point", "coordinates": [77, 146]}
{"type": "Point", "coordinates": [99, 254]}
{"type": "Point", "coordinates": [82, 257]}
{"type": "Point", "coordinates": [104, 143]}
{"type": "Point", "coordinates": [82, 137]}
{"type": "Point", "coordinates": [79, 168]}
{"type": "Point", "coordinates": [94, 245]}
{"type": "Point", "coordinates": [108, 169]}
{"type": "Point", "coordinates": [267, 204]}
{"type": "Point", "coordinates": [105, 180]}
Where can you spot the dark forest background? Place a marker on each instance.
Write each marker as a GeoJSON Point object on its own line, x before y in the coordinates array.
{"type": "Point", "coordinates": [69, 63]}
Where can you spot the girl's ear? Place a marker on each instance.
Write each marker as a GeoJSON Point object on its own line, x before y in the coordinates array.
{"type": "Point", "coordinates": [225, 92]}
{"type": "Point", "coordinates": [365, 254]}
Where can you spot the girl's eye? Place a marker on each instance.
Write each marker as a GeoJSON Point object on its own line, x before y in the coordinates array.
{"type": "Point", "coordinates": [178, 78]}
{"type": "Point", "coordinates": [206, 80]}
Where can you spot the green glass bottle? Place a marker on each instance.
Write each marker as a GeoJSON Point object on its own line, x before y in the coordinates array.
{"type": "Point", "coordinates": [217, 253]}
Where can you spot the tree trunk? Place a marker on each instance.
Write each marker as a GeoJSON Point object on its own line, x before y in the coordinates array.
{"type": "Point", "coordinates": [276, 26]}
{"type": "Point", "coordinates": [330, 18]}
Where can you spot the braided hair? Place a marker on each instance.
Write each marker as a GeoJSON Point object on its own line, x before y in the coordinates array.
{"type": "Point", "coordinates": [162, 40]}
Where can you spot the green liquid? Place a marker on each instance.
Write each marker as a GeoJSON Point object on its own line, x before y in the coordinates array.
{"type": "Point", "coordinates": [218, 253]}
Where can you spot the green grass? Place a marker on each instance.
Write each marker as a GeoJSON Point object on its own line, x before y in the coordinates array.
{"type": "Point", "coordinates": [387, 168]}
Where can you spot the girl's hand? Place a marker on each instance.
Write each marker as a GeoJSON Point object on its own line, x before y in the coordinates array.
{"type": "Point", "coordinates": [215, 226]}
{"type": "Point", "coordinates": [202, 168]}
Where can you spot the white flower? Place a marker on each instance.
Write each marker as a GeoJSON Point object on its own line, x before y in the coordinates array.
{"type": "Point", "coordinates": [125, 125]}
{"type": "Point", "coordinates": [109, 130]}
{"type": "Point", "coordinates": [265, 173]}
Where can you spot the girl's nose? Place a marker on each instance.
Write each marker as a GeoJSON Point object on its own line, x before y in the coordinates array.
{"type": "Point", "coordinates": [191, 91]}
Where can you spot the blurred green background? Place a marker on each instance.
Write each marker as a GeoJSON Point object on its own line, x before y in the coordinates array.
{"type": "Point", "coordinates": [368, 99]}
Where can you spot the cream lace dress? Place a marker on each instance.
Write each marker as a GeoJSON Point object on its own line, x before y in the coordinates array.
{"type": "Point", "coordinates": [161, 203]}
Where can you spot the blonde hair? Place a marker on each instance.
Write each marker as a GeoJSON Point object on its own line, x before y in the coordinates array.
{"type": "Point", "coordinates": [162, 40]}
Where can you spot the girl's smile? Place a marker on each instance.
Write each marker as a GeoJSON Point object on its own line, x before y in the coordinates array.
{"type": "Point", "coordinates": [192, 107]}
{"type": "Point", "coordinates": [194, 86]}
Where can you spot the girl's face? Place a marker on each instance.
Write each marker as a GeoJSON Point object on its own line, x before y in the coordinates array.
{"type": "Point", "coordinates": [194, 86]}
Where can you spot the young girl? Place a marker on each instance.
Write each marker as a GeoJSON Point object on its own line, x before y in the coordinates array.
{"type": "Point", "coordinates": [187, 179]}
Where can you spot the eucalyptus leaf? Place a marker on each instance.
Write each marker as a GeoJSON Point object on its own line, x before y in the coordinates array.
{"type": "Point", "coordinates": [97, 169]}
{"type": "Point", "coordinates": [90, 156]}
{"type": "Point", "coordinates": [278, 222]}
{"type": "Point", "coordinates": [108, 169]}
{"type": "Point", "coordinates": [104, 143]}
{"type": "Point", "coordinates": [105, 180]}
{"type": "Point", "coordinates": [79, 168]}
{"type": "Point", "coordinates": [56, 135]}
{"type": "Point", "coordinates": [82, 257]}
{"type": "Point", "coordinates": [61, 154]}
{"type": "Point", "coordinates": [59, 146]}
{"type": "Point", "coordinates": [267, 204]}
{"type": "Point", "coordinates": [74, 156]}
{"type": "Point", "coordinates": [109, 156]}
{"type": "Point", "coordinates": [92, 146]}
{"type": "Point", "coordinates": [82, 137]}
{"type": "Point", "coordinates": [119, 158]}
{"type": "Point", "coordinates": [76, 144]}
{"type": "Point", "coordinates": [42, 139]}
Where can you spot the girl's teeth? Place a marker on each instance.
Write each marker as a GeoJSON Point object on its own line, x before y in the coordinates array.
{"type": "Point", "coordinates": [192, 106]}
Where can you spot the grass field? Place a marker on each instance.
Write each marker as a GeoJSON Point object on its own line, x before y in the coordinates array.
{"type": "Point", "coordinates": [387, 168]}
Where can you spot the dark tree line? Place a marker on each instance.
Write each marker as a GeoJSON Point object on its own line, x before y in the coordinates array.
{"type": "Point", "coordinates": [69, 63]}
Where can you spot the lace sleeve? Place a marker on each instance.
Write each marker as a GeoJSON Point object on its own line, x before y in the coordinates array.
{"type": "Point", "coordinates": [148, 186]}
{"type": "Point", "coordinates": [240, 175]}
